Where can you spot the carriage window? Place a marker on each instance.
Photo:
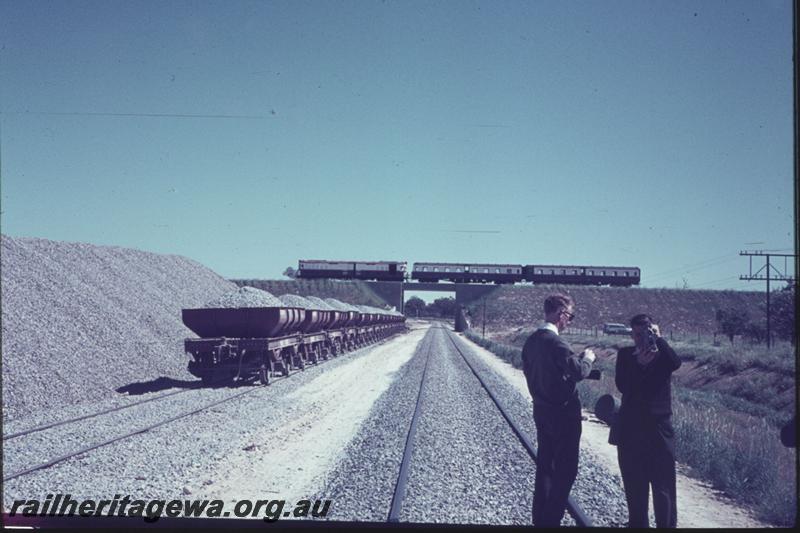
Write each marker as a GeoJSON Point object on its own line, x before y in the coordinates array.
{"type": "Point", "coordinates": [436, 269]}
{"type": "Point", "coordinates": [627, 273]}
{"type": "Point", "coordinates": [552, 271]}
{"type": "Point", "coordinates": [591, 272]}
{"type": "Point", "coordinates": [485, 270]}
{"type": "Point", "coordinates": [508, 271]}
{"type": "Point", "coordinates": [574, 271]}
{"type": "Point", "coordinates": [563, 271]}
{"type": "Point", "coordinates": [496, 270]}
{"type": "Point", "coordinates": [615, 272]}
{"type": "Point", "coordinates": [447, 269]}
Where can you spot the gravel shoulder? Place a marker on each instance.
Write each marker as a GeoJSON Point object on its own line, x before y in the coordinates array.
{"type": "Point", "coordinates": [321, 417]}
{"type": "Point", "coordinates": [194, 457]}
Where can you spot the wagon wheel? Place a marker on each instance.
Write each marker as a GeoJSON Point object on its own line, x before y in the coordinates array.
{"type": "Point", "coordinates": [264, 375]}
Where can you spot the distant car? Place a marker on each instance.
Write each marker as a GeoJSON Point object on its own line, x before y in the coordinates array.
{"type": "Point", "coordinates": [616, 329]}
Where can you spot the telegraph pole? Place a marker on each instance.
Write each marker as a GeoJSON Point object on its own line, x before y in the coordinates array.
{"type": "Point", "coordinates": [768, 273]}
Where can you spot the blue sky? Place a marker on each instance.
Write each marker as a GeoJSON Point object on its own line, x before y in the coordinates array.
{"type": "Point", "coordinates": [248, 135]}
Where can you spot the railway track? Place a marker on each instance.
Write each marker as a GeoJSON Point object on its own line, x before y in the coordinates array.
{"type": "Point", "coordinates": [59, 423]}
{"type": "Point", "coordinates": [401, 487]}
{"type": "Point", "coordinates": [14, 441]}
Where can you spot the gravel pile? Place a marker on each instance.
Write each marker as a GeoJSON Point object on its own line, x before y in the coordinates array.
{"type": "Point", "coordinates": [79, 321]}
{"type": "Point", "coordinates": [340, 306]}
{"type": "Point", "coordinates": [292, 300]}
{"type": "Point", "coordinates": [320, 303]}
{"type": "Point", "coordinates": [245, 297]}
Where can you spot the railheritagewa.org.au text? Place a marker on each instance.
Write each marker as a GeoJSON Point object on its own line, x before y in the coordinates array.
{"type": "Point", "coordinates": [60, 505]}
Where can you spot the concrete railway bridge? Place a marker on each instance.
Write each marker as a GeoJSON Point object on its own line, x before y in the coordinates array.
{"type": "Point", "coordinates": [394, 291]}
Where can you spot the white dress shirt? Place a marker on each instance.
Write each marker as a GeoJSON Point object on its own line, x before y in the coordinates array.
{"type": "Point", "coordinates": [549, 325]}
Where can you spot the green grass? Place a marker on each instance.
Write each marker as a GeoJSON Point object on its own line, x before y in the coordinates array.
{"type": "Point", "coordinates": [512, 354]}
{"type": "Point", "coordinates": [729, 441]}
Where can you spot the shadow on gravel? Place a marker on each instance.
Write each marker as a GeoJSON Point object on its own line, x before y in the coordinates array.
{"type": "Point", "coordinates": [158, 384]}
{"type": "Point", "coordinates": [163, 383]}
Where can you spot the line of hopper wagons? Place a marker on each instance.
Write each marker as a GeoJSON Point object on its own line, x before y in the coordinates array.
{"type": "Point", "coordinates": [237, 343]}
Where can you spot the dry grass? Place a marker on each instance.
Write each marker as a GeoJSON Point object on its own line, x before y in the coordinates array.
{"type": "Point", "coordinates": [682, 312]}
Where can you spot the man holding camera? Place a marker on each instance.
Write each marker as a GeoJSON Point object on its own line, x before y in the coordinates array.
{"type": "Point", "coordinates": [552, 369]}
{"type": "Point", "coordinates": [645, 437]}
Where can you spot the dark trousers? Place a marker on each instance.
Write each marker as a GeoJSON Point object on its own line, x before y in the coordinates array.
{"type": "Point", "coordinates": [644, 465]}
{"type": "Point", "coordinates": [558, 435]}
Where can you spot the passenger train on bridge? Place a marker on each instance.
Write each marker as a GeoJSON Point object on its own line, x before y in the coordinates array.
{"type": "Point", "coordinates": [618, 276]}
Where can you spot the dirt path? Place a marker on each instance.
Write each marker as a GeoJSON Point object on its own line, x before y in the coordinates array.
{"type": "Point", "coordinates": [699, 506]}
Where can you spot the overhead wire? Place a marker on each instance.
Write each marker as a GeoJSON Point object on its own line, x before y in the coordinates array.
{"type": "Point", "coordinates": [686, 269]}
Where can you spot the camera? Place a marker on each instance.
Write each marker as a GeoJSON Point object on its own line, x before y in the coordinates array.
{"type": "Point", "coordinates": [651, 341]}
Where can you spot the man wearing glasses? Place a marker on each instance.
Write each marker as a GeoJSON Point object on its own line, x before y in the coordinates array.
{"type": "Point", "coordinates": [552, 369]}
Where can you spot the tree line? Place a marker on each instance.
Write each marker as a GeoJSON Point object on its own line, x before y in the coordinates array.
{"type": "Point", "coordinates": [736, 321]}
{"type": "Point", "coordinates": [440, 308]}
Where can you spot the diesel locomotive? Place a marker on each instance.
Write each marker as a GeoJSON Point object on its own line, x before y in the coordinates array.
{"type": "Point", "coordinates": [364, 270]}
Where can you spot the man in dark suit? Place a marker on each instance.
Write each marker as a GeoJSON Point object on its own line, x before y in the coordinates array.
{"type": "Point", "coordinates": [646, 439]}
{"type": "Point", "coordinates": [552, 369]}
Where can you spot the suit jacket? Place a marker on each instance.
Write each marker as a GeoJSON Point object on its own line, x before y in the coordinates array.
{"type": "Point", "coordinates": [646, 395]}
{"type": "Point", "coordinates": [552, 369]}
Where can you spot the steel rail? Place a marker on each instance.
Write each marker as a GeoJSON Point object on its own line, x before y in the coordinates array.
{"type": "Point", "coordinates": [57, 423]}
{"type": "Point", "coordinates": [402, 480]}
{"type": "Point", "coordinates": [581, 519]}
{"type": "Point", "coordinates": [145, 429]}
